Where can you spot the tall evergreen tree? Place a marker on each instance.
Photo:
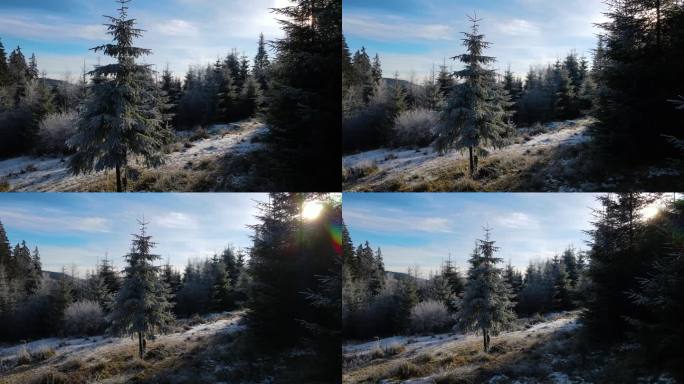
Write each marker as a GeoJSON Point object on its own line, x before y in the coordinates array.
{"type": "Point", "coordinates": [304, 105]}
{"type": "Point", "coordinates": [62, 296]}
{"type": "Point", "coordinates": [34, 276]}
{"type": "Point", "coordinates": [32, 70]}
{"type": "Point", "coordinates": [454, 285]}
{"type": "Point", "coordinates": [4, 68]}
{"type": "Point", "coordinates": [221, 292]}
{"type": "Point", "coordinates": [261, 64]}
{"type": "Point", "coordinates": [123, 116]}
{"type": "Point", "coordinates": [18, 75]}
{"type": "Point", "coordinates": [486, 303]}
{"type": "Point", "coordinates": [5, 250]}
{"type": "Point", "coordinates": [376, 71]}
{"type": "Point", "coordinates": [475, 115]}
{"type": "Point", "coordinates": [615, 260]}
{"type": "Point", "coordinates": [142, 305]}
{"type": "Point", "coordinates": [445, 79]}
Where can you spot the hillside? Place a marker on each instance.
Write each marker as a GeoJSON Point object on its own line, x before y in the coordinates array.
{"type": "Point", "coordinates": [548, 158]}
{"type": "Point", "coordinates": [104, 359]}
{"type": "Point", "coordinates": [187, 165]}
{"type": "Point", "coordinates": [539, 350]}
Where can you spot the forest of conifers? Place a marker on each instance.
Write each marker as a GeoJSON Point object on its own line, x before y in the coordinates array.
{"type": "Point", "coordinates": [630, 86]}
{"type": "Point", "coordinates": [627, 287]}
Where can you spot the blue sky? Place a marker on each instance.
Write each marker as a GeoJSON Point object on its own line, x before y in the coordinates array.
{"type": "Point", "coordinates": [79, 229]}
{"type": "Point", "coordinates": [179, 32]}
{"type": "Point", "coordinates": [412, 35]}
{"type": "Point", "coordinates": [423, 228]}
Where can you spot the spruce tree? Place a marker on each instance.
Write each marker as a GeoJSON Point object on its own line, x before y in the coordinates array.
{"type": "Point", "coordinates": [363, 73]}
{"type": "Point", "coordinates": [221, 295]}
{"type": "Point", "coordinates": [445, 79]}
{"type": "Point", "coordinates": [32, 70]}
{"type": "Point", "coordinates": [261, 64]}
{"type": "Point", "coordinates": [475, 115]}
{"type": "Point", "coordinates": [251, 100]}
{"type": "Point", "coordinates": [18, 73]}
{"type": "Point", "coordinates": [486, 305]}
{"type": "Point", "coordinates": [228, 97]}
{"type": "Point", "coordinates": [142, 305]}
{"type": "Point", "coordinates": [271, 315]}
{"type": "Point", "coordinates": [561, 286]}
{"type": "Point", "coordinates": [615, 260]}
{"type": "Point", "coordinates": [172, 279]}
{"type": "Point", "coordinates": [62, 296]}
{"type": "Point", "coordinates": [34, 276]}
{"type": "Point", "coordinates": [514, 280]}
{"type": "Point", "coordinates": [376, 71]}
{"type": "Point", "coordinates": [304, 106]}
{"type": "Point", "coordinates": [122, 118]}
{"type": "Point", "coordinates": [5, 250]}
{"type": "Point", "coordinates": [4, 68]}
{"type": "Point", "coordinates": [454, 285]}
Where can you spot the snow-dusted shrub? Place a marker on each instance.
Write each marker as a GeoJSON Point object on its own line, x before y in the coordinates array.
{"type": "Point", "coordinates": [55, 130]}
{"type": "Point", "coordinates": [43, 353]}
{"type": "Point", "coordinates": [84, 318]}
{"type": "Point", "coordinates": [414, 127]}
{"type": "Point", "coordinates": [23, 356]}
{"type": "Point", "coordinates": [430, 316]}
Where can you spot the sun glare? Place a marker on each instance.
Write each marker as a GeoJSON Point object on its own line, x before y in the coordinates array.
{"type": "Point", "coordinates": [312, 209]}
{"type": "Point", "coordinates": [650, 211]}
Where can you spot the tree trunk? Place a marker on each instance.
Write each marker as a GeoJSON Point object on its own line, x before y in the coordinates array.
{"type": "Point", "coordinates": [140, 344]}
{"type": "Point", "coordinates": [472, 162]}
{"type": "Point", "coordinates": [485, 339]}
{"type": "Point", "coordinates": [118, 179]}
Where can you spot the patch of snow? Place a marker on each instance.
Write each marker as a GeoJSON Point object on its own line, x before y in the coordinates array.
{"type": "Point", "coordinates": [423, 162]}
{"type": "Point", "coordinates": [48, 173]}
{"type": "Point", "coordinates": [94, 344]}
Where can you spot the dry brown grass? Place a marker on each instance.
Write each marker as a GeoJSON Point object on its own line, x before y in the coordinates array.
{"type": "Point", "coordinates": [450, 363]}
{"type": "Point", "coordinates": [117, 364]}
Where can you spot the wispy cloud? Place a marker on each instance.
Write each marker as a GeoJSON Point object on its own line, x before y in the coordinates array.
{"type": "Point", "coordinates": [393, 28]}
{"type": "Point", "coordinates": [517, 220]}
{"type": "Point", "coordinates": [397, 222]}
{"type": "Point", "coordinates": [49, 222]}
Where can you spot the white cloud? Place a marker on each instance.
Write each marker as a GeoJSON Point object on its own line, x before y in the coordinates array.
{"type": "Point", "coordinates": [177, 27]}
{"type": "Point", "coordinates": [518, 27]}
{"type": "Point", "coordinates": [517, 220]}
{"type": "Point", "coordinates": [56, 29]}
{"type": "Point", "coordinates": [177, 220]}
{"type": "Point", "coordinates": [396, 222]}
{"type": "Point", "coordinates": [53, 223]}
{"type": "Point", "coordinates": [394, 28]}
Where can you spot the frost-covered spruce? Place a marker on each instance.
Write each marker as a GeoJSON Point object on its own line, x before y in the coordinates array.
{"type": "Point", "coordinates": [486, 305]}
{"type": "Point", "coordinates": [476, 113]}
{"type": "Point", "coordinates": [123, 115]}
{"type": "Point", "coordinates": [142, 307]}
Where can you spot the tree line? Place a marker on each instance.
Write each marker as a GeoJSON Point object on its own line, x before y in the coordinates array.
{"type": "Point", "coordinates": [631, 88]}
{"type": "Point", "coordinates": [627, 284]}
{"type": "Point", "coordinates": [377, 303]}
{"type": "Point", "coordinates": [288, 282]}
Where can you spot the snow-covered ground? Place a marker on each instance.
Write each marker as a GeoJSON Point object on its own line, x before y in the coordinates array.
{"type": "Point", "coordinates": [392, 163]}
{"type": "Point", "coordinates": [440, 345]}
{"type": "Point", "coordinates": [84, 347]}
{"type": "Point", "coordinates": [435, 342]}
{"type": "Point", "coordinates": [46, 173]}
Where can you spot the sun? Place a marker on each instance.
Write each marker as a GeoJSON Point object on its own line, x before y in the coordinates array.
{"type": "Point", "coordinates": [312, 209]}
{"type": "Point", "coordinates": [650, 211]}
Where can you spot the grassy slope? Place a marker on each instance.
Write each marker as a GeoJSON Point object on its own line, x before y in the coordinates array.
{"type": "Point", "coordinates": [548, 352]}
{"type": "Point", "coordinates": [557, 160]}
